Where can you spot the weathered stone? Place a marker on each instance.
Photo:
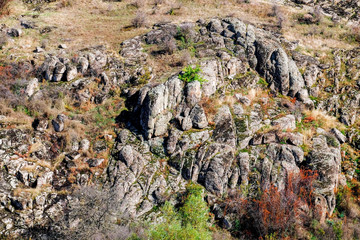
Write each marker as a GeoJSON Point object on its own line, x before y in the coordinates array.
{"type": "Point", "coordinates": [339, 135]}
{"type": "Point", "coordinates": [243, 159]}
{"type": "Point", "coordinates": [193, 93]}
{"type": "Point", "coordinates": [59, 71]}
{"type": "Point", "coordinates": [62, 46]}
{"type": "Point", "coordinates": [14, 32]}
{"type": "Point", "coordinates": [158, 100]}
{"type": "Point", "coordinates": [39, 50]}
{"type": "Point", "coordinates": [94, 162]}
{"type": "Point", "coordinates": [85, 145]}
{"type": "Point", "coordinates": [326, 161]}
{"type": "Point", "coordinates": [172, 140]}
{"type": "Point", "coordinates": [270, 137]}
{"type": "Point", "coordinates": [284, 123]}
{"type": "Point", "coordinates": [198, 117]}
{"type": "Point", "coordinates": [161, 124]}
{"type": "Point", "coordinates": [32, 87]}
{"type": "Point", "coordinates": [310, 75]}
{"type": "Point", "coordinates": [48, 68]}
{"type": "Point", "coordinates": [186, 123]}
{"type": "Point", "coordinates": [257, 139]}
{"type": "Point", "coordinates": [40, 125]}
{"type": "Point", "coordinates": [58, 123]}
{"type": "Point", "coordinates": [83, 65]}
{"type": "Point", "coordinates": [71, 72]}
{"type": "Point", "coordinates": [224, 132]}
{"type": "Point", "coordinates": [210, 74]}
{"type": "Point", "coordinates": [215, 26]}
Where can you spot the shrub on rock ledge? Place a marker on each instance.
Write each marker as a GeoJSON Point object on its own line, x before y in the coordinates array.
{"type": "Point", "coordinates": [190, 74]}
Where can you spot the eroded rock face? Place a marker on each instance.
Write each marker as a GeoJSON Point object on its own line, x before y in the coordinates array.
{"type": "Point", "coordinates": [325, 159]}
{"type": "Point", "coordinates": [173, 131]}
{"type": "Point", "coordinates": [159, 101]}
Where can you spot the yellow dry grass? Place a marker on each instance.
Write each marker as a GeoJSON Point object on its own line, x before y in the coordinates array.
{"type": "Point", "coordinates": [84, 23]}
{"type": "Point", "coordinates": [326, 121]}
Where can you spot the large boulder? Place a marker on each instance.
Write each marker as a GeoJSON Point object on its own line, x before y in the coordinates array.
{"type": "Point", "coordinates": [159, 102]}
{"type": "Point", "coordinates": [325, 159]}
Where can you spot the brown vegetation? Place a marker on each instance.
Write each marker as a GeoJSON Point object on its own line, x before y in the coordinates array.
{"type": "Point", "coordinates": [276, 211]}
{"type": "Point", "coordinates": [4, 7]}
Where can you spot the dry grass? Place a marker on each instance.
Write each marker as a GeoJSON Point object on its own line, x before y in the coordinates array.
{"type": "Point", "coordinates": [324, 120]}
{"type": "Point", "coordinates": [314, 119]}
{"type": "Point", "coordinates": [83, 23]}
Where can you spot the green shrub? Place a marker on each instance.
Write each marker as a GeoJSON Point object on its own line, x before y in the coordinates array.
{"type": "Point", "coordinates": [190, 74]}
{"type": "Point", "coordinates": [190, 222]}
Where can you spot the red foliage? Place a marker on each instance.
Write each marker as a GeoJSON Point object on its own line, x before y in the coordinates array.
{"type": "Point", "coordinates": [293, 100]}
{"type": "Point", "coordinates": [5, 72]}
{"type": "Point", "coordinates": [277, 210]}
{"type": "Point", "coordinates": [309, 119]}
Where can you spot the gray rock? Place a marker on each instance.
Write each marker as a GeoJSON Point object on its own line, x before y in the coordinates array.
{"type": "Point", "coordinates": [48, 67]}
{"type": "Point", "coordinates": [296, 139]}
{"type": "Point", "coordinates": [39, 50]}
{"type": "Point", "coordinates": [238, 110]}
{"type": "Point", "coordinates": [71, 72]}
{"type": "Point", "coordinates": [210, 71]}
{"type": "Point", "coordinates": [281, 161]}
{"type": "Point", "coordinates": [218, 169]}
{"type": "Point", "coordinates": [126, 155]}
{"type": "Point", "coordinates": [186, 123]}
{"type": "Point", "coordinates": [198, 117]}
{"type": "Point", "coordinates": [327, 162]}
{"type": "Point", "coordinates": [32, 87]}
{"type": "Point", "coordinates": [242, 99]}
{"type": "Point", "coordinates": [14, 32]}
{"type": "Point", "coordinates": [215, 26]}
{"type": "Point", "coordinates": [310, 75]}
{"type": "Point", "coordinates": [161, 125]}
{"type": "Point", "coordinates": [284, 123]}
{"type": "Point", "coordinates": [172, 140]}
{"type": "Point", "coordinates": [40, 125]}
{"type": "Point", "coordinates": [270, 137]}
{"type": "Point", "coordinates": [243, 159]}
{"type": "Point", "coordinates": [94, 162]}
{"type": "Point", "coordinates": [296, 81]}
{"type": "Point", "coordinates": [193, 93]}
{"type": "Point", "coordinates": [59, 71]}
{"type": "Point", "coordinates": [58, 123]}
{"type": "Point", "coordinates": [279, 69]}
{"type": "Point", "coordinates": [28, 24]}
{"type": "Point", "coordinates": [83, 65]}
{"type": "Point", "coordinates": [158, 102]}
{"type": "Point", "coordinates": [339, 135]}
{"type": "Point", "coordinates": [62, 46]}
{"type": "Point", "coordinates": [225, 131]}
{"type": "Point", "coordinates": [85, 145]}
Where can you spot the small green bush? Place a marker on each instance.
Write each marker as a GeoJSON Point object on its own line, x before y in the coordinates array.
{"type": "Point", "coordinates": [190, 74]}
{"type": "Point", "coordinates": [190, 222]}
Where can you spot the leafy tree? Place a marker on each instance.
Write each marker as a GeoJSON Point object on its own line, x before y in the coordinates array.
{"type": "Point", "coordinates": [190, 222]}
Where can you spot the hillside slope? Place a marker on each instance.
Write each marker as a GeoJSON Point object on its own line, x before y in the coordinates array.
{"type": "Point", "coordinates": [112, 113]}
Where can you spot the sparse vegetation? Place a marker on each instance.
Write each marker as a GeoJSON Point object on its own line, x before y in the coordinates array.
{"type": "Point", "coordinates": [139, 20]}
{"type": "Point", "coordinates": [275, 212]}
{"type": "Point", "coordinates": [4, 7]}
{"type": "Point", "coordinates": [123, 124]}
{"type": "Point", "coordinates": [191, 74]}
{"type": "Point", "coordinates": [189, 222]}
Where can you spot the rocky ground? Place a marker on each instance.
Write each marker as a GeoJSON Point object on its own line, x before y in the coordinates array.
{"type": "Point", "coordinates": [93, 141]}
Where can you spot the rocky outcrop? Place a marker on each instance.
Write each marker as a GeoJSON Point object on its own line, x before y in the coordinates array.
{"type": "Point", "coordinates": [325, 158]}
{"type": "Point", "coordinates": [224, 133]}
